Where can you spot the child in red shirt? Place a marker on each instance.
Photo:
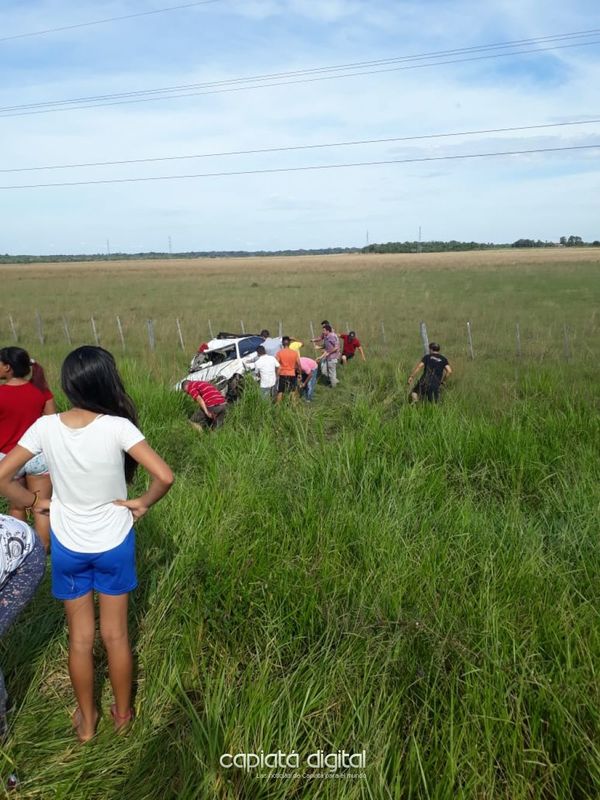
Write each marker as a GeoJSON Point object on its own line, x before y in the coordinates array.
{"type": "Point", "coordinates": [24, 400]}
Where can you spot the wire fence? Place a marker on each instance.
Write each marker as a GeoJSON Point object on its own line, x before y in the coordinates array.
{"type": "Point", "coordinates": [137, 335]}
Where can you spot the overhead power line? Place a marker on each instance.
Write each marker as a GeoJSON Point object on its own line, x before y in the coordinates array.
{"type": "Point", "coordinates": [316, 146]}
{"type": "Point", "coordinates": [309, 71]}
{"type": "Point", "coordinates": [107, 19]}
{"type": "Point", "coordinates": [556, 42]}
{"type": "Point", "coordinates": [314, 167]}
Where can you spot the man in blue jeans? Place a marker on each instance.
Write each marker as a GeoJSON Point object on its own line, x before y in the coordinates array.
{"type": "Point", "coordinates": [310, 373]}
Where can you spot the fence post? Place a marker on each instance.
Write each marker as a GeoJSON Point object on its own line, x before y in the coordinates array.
{"type": "Point", "coordinates": [312, 330]}
{"type": "Point", "coordinates": [567, 347]}
{"type": "Point", "coordinates": [40, 326]}
{"type": "Point", "coordinates": [470, 338]}
{"type": "Point", "coordinates": [13, 329]}
{"type": "Point", "coordinates": [518, 335]}
{"type": "Point", "coordinates": [95, 331]}
{"type": "Point", "coordinates": [151, 337]}
{"type": "Point", "coordinates": [424, 337]}
{"type": "Point", "coordinates": [280, 329]}
{"type": "Point", "coordinates": [121, 334]}
{"type": "Point", "coordinates": [67, 332]}
{"type": "Point", "coordinates": [180, 335]}
{"type": "Point", "coordinates": [347, 327]}
{"type": "Point", "coordinates": [383, 331]}
{"type": "Point", "coordinates": [242, 326]}
{"type": "Point", "coordinates": [212, 336]}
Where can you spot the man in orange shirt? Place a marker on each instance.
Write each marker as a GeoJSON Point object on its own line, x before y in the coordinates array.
{"type": "Point", "coordinates": [290, 369]}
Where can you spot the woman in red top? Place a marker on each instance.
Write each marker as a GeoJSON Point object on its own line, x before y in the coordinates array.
{"type": "Point", "coordinates": [23, 400]}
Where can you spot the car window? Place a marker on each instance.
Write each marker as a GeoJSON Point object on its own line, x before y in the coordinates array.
{"type": "Point", "coordinates": [219, 356]}
{"type": "Point", "coordinates": [249, 345]}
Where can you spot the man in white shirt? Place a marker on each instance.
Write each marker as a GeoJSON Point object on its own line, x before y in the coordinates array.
{"type": "Point", "coordinates": [266, 369]}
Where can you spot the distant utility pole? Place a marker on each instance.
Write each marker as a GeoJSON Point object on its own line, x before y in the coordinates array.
{"type": "Point", "coordinates": [367, 237]}
{"type": "Point", "coordinates": [108, 247]}
{"type": "Point", "coordinates": [419, 248]}
{"type": "Point", "coordinates": [170, 247]}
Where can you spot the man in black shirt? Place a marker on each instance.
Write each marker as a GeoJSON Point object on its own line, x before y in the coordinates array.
{"type": "Point", "coordinates": [435, 368]}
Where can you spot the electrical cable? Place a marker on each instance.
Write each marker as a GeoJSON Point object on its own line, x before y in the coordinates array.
{"type": "Point", "coordinates": [107, 19]}
{"type": "Point", "coordinates": [309, 71]}
{"type": "Point", "coordinates": [289, 148]}
{"type": "Point", "coordinates": [314, 167]}
{"type": "Point", "coordinates": [139, 97]}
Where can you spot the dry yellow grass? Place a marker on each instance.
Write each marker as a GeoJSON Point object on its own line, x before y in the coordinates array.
{"type": "Point", "coordinates": [349, 263]}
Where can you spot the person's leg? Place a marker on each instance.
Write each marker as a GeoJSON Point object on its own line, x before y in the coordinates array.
{"type": "Point", "coordinates": [333, 372]}
{"type": "Point", "coordinates": [20, 587]}
{"type": "Point", "coordinates": [18, 513]}
{"type": "Point", "coordinates": [82, 628]}
{"type": "Point", "coordinates": [312, 383]}
{"type": "Point", "coordinates": [280, 390]}
{"type": "Point", "coordinates": [115, 635]}
{"type": "Point", "coordinates": [219, 415]}
{"type": "Point", "coordinates": [43, 485]}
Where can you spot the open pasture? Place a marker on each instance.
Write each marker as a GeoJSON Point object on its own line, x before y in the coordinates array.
{"type": "Point", "coordinates": [420, 583]}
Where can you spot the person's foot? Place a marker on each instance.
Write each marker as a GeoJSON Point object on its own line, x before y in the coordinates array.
{"type": "Point", "coordinates": [121, 721]}
{"type": "Point", "coordinates": [85, 730]}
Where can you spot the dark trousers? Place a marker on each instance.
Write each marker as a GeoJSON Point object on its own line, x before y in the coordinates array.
{"type": "Point", "coordinates": [218, 413]}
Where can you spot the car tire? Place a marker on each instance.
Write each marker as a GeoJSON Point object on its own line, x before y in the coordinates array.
{"type": "Point", "coordinates": [235, 388]}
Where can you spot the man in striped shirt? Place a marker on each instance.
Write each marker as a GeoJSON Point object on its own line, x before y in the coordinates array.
{"type": "Point", "coordinates": [213, 404]}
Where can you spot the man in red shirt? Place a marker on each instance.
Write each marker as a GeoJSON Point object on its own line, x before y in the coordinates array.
{"type": "Point", "coordinates": [351, 345]}
{"type": "Point", "coordinates": [213, 404]}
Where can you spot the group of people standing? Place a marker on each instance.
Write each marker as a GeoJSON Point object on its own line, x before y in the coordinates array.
{"type": "Point", "coordinates": [281, 369]}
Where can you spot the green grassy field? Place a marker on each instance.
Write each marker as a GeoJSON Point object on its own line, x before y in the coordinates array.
{"type": "Point", "coordinates": [421, 583]}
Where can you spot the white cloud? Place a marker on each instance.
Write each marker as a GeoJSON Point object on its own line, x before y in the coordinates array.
{"type": "Point", "coordinates": [487, 200]}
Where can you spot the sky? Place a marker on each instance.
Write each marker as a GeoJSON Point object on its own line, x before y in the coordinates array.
{"type": "Point", "coordinates": [501, 199]}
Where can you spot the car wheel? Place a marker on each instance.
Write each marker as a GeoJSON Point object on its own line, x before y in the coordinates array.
{"type": "Point", "coordinates": [235, 387]}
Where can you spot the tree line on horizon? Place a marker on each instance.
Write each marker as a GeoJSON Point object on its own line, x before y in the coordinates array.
{"type": "Point", "coordinates": [433, 246]}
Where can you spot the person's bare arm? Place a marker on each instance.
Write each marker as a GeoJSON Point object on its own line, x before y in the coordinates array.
{"type": "Point", "coordinates": [14, 491]}
{"type": "Point", "coordinates": [203, 406]}
{"type": "Point", "coordinates": [447, 371]}
{"type": "Point", "coordinates": [419, 366]}
{"type": "Point", "coordinates": [362, 352]}
{"type": "Point", "coordinates": [162, 479]}
{"type": "Point", "coordinates": [49, 407]}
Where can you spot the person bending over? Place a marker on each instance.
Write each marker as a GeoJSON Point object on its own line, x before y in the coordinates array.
{"type": "Point", "coordinates": [213, 404]}
{"type": "Point", "coordinates": [436, 370]}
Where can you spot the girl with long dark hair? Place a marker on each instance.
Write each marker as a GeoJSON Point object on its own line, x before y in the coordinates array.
{"type": "Point", "coordinates": [92, 451]}
{"type": "Point", "coordinates": [24, 398]}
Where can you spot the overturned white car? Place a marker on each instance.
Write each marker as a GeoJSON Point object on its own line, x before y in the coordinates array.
{"type": "Point", "coordinates": [225, 362]}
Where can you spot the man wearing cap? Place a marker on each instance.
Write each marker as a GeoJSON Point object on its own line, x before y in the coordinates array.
{"type": "Point", "coordinates": [350, 345]}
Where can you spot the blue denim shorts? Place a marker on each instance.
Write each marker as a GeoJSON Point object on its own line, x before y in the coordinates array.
{"type": "Point", "coordinates": [75, 574]}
